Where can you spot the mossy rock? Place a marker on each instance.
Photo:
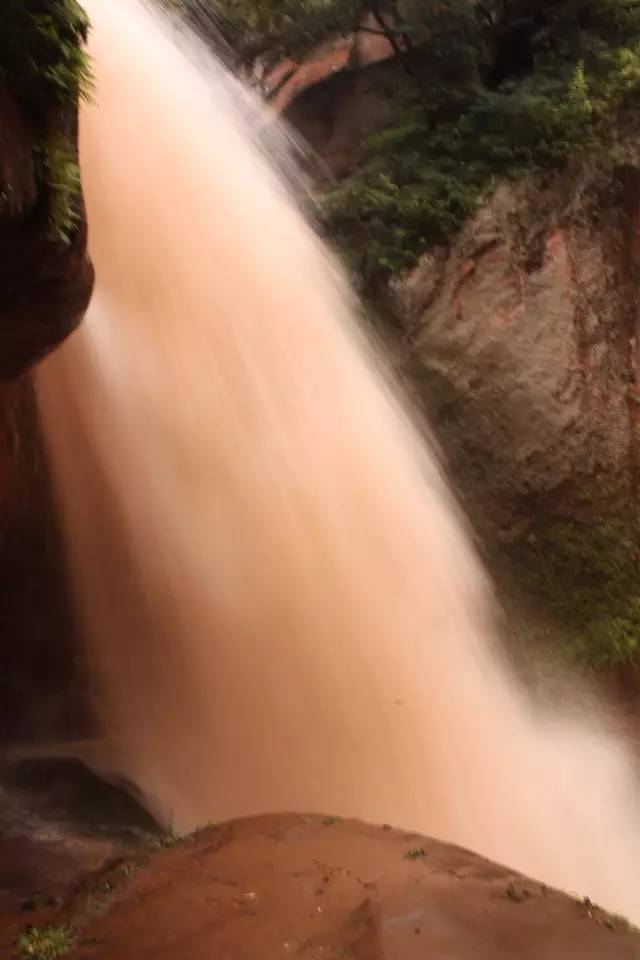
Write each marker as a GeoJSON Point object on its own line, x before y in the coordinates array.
{"type": "Point", "coordinates": [586, 574]}
{"type": "Point", "coordinates": [42, 58]}
{"type": "Point", "coordinates": [45, 277]}
{"type": "Point", "coordinates": [45, 70]}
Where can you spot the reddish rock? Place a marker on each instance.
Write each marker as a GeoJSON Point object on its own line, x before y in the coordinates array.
{"type": "Point", "coordinates": [291, 886]}
{"type": "Point", "coordinates": [519, 334]}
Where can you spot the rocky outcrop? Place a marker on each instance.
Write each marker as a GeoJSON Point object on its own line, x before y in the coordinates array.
{"type": "Point", "coordinates": [520, 334]}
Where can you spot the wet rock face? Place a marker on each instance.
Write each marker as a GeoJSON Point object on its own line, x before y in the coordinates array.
{"type": "Point", "coordinates": [45, 281]}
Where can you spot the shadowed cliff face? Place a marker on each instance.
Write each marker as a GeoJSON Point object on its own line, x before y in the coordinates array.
{"type": "Point", "coordinates": [38, 651]}
{"type": "Point", "coordinates": [46, 281]}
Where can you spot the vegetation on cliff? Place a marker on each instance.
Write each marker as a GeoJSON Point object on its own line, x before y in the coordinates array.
{"type": "Point", "coordinates": [587, 575]}
{"type": "Point", "coordinates": [44, 66]}
{"type": "Point", "coordinates": [41, 53]}
{"type": "Point", "coordinates": [501, 102]}
{"type": "Point", "coordinates": [487, 89]}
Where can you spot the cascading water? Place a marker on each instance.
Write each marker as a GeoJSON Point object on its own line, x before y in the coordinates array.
{"type": "Point", "coordinates": [281, 609]}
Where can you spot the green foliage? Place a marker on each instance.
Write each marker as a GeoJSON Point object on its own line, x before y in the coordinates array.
{"type": "Point", "coordinates": [291, 27]}
{"type": "Point", "coordinates": [63, 177]}
{"type": "Point", "coordinates": [42, 57]}
{"type": "Point", "coordinates": [420, 180]}
{"type": "Point", "coordinates": [44, 64]}
{"type": "Point", "coordinates": [589, 577]}
{"type": "Point", "coordinates": [491, 89]}
{"type": "Point", "coordinates": [66, 70]}
{"type": "Point", "coordinates": [47, 944]}
{"type": "Point", "coordinates": [279, 28]}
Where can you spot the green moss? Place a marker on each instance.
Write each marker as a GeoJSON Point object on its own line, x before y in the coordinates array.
{"type": "Point", "coordinates": [44, 64]}
{"type": "Point", "coordinates": [456, 133]}
{"type": "Point", "coordinates": [63, 179]}
{"type": "Point", "coordinates": [588, 576]}
{"type": "Point", "coordinates": [419, 182]}
{"type": "Point", "coordinates": [42, 57]}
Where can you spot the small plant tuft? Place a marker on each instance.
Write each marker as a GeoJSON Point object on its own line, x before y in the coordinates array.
{"type": "Point", "coordinates": [167, 840]}
{"type": "Point", "coordinates": [416, 854]}
{"type": "Point", "coordinates": [46, 944]}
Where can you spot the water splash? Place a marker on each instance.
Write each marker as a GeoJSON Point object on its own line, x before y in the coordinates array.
{"type": "Point", "coordinates": [280, 604]}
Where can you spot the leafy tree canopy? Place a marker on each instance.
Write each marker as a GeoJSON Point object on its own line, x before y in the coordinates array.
{"type": "Point", "coordinates": [486, 88]}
